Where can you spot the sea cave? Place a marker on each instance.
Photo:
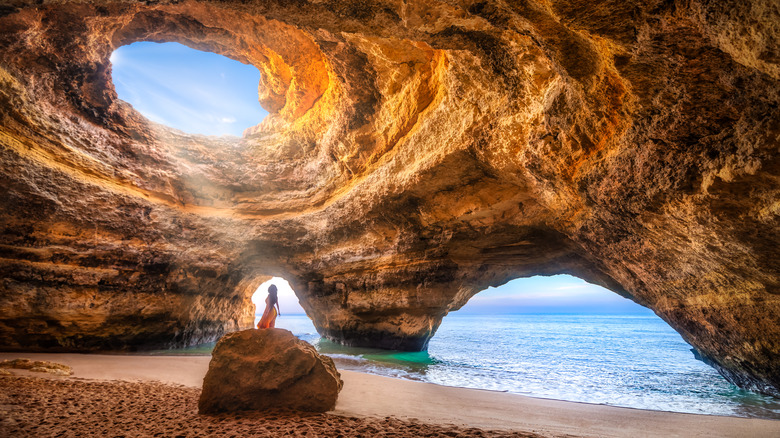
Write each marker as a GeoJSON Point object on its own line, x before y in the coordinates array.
{"type": "Point", "coordinates": [415, 153]}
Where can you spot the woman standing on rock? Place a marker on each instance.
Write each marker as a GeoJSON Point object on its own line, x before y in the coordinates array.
{"type": "Point", "coordinates": [268, 320]}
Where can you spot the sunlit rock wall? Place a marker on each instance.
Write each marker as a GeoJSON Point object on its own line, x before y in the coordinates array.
{"type": "Point", "coordinates": [416, 153]}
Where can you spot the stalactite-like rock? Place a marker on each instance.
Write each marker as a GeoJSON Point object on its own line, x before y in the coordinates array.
{"type": "Point", "coordinates": [417, 152]}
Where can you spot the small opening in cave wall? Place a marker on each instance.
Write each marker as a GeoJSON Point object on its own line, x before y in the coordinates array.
{"type": "Point", "coordinates": [190, 90]}
{"type": "Point", "coordinates": [290, 308]}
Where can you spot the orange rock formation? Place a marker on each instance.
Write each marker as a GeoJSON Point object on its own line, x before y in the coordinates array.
{"type": "Point", "coordinates": [416, 153]}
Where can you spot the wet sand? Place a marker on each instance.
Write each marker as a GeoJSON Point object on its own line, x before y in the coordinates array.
{"type": "Point", "coordinates": [159, 395]}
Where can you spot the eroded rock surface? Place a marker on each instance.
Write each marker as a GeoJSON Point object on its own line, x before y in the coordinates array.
{"type": "Point", "coordinates": [39, 366]}
{"type": "Point", "coordinates": [416, 153]}
{"type": "Point", "coordinates": [258, 370]}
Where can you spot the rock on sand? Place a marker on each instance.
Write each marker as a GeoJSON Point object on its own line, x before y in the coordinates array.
{"type": "Point", "coordinates": [268, 369]}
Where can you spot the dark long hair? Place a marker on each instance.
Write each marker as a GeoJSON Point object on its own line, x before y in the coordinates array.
{"type": "Point", "coordinates": [272, 294]}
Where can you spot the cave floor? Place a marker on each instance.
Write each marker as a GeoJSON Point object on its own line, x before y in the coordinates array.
{"type": "Point", "coordinates": [36, 407]}
{"type": "Point", "coordinates": [133, 395]}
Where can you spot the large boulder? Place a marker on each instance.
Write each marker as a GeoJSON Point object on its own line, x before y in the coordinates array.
{"type": "Point", "coordinates": [268, 369]}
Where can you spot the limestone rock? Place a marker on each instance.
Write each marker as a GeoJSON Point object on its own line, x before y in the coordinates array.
{"type": "Point", "coordinates": [39, 366]}
{"type": "Point", "coordinates": [268, 369]}
{"type": "Point", "coordinates": [416, 153]}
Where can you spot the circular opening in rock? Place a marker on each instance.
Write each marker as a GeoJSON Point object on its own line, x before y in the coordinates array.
{"type": "Point", "coordinates": [190, 90]}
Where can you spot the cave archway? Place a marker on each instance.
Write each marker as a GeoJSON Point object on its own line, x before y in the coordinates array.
{"type": "Point", "coordinates": [288, 301]}
{"type": "Point", "coordinates": [562, 338]}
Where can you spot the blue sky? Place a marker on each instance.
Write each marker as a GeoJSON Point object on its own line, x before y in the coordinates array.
{"type": "Point", "coordinates": [556, 294]}
{"type": "Point", "coordinates": [196, 92]}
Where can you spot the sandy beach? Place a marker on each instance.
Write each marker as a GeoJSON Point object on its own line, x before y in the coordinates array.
{"type": "Point", "coordinates": [157, 395]}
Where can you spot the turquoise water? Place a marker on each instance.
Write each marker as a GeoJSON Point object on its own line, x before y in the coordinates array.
{"type": "Point", "coordinates": [631, 361]}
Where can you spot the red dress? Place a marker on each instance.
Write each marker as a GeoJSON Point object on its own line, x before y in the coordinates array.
{"type": "Point", "coordinates": [268, 320]}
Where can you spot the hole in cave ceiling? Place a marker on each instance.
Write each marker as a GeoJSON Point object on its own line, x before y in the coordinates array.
{"type": "Point", "coordinates": [190, 90]}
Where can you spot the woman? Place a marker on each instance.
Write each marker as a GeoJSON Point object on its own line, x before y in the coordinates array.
{"type": "Point", "coordinates": [268, 319]}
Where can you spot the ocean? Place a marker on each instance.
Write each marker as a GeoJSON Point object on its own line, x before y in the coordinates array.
{"type": "Point", "coordinates": [634, 361]}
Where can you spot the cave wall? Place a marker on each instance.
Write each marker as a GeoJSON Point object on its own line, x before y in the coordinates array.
{"type": "Point", "coordinates": [416, 153]}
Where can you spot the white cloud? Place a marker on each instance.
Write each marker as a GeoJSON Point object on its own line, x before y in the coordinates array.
{"type": "Point", "coordinates": [227, 120]}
